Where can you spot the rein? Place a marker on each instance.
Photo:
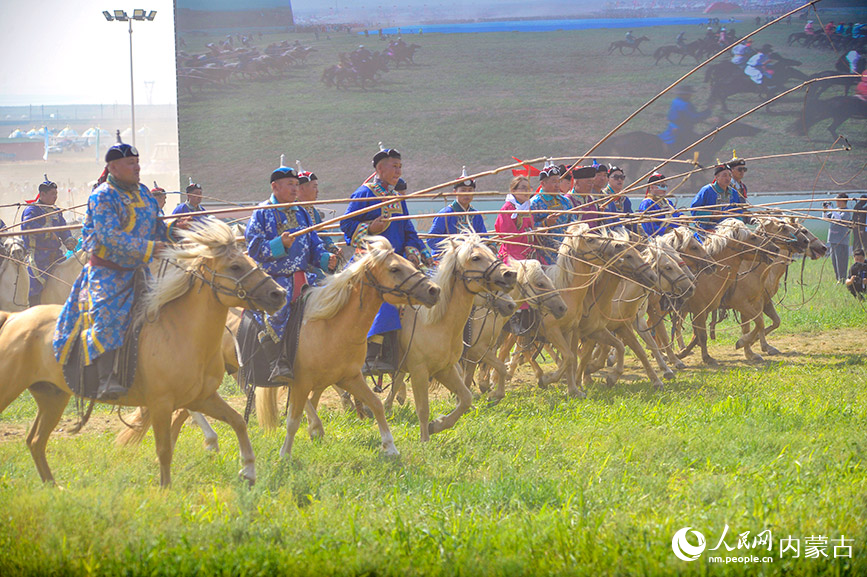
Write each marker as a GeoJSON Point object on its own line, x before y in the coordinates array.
{"type": "Point", "coordinates": [470, 276]}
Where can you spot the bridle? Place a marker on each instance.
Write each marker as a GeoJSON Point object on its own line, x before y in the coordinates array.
{"type": "Point", "coordinates": [398, 290]}
{"type": "Point", "coordinates": [473, 275]}
{"type": "Point", "coordinates": [238, 291]}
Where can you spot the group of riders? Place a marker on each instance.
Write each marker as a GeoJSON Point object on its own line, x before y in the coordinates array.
{"type": "Point", "coordinates": [122, 234]}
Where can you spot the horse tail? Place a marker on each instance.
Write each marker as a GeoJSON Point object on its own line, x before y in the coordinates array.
{"type": "Point", "coordinates": [136, 428]}
{"type": "Point", "coordinates": [266, 407]}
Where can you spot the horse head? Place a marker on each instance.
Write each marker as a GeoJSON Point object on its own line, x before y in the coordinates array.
{"type": "Point", "coordinates": [815, 247]}
{"type": "Point", "coordinates": [395, 277]}
{"type": "Point", "coordinates": [499, 303]}
{"type": "Point", "coordinates": [675, 278]}
{"type": "Point", "coordinates": [209, 252]}
{"type": "Point", "coordinates": [753, 246]}
{"type": "Point", "coordinates": [784, 234]}
{"type": "Point", "coordinates": [537, 289]}
{"type": "Point", "coordinates": [690, 249]}
{"type": "Point", "coordinates": [476, 265]}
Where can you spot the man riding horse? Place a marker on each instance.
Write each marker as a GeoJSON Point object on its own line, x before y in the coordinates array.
{"type": "Point", "coordinates": [403, 238]}
{"type": "Point", "coordinates": [682, 118]}
{"type": "Point", "coordinates": [287, 258]}
{"type": "Point", "coordinates": [716, 201]}
{"type": "Point", "coordinates": [193, 203]}
{"type": "Point", "coordinates": [450, 225]}
{"type": "Point", "coordinates": [44, 248]}
{"type": "Point", "coordinates": [122, 234]}
{"type": "Point", "coordinates": [308, 191]}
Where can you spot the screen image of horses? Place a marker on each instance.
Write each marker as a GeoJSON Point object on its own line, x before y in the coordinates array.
{"type": "Point", "coordinates": [258, 83]}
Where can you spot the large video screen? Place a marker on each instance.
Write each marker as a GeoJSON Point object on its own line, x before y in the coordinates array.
{"type": "Point", "coordinates": [452, 85]}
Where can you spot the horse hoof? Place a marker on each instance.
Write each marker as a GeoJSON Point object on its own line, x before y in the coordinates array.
{"type": "Point", "coordinates": [249, 477]}
{"type": "Point", "coordinates": [542, 384]}
{"type": "Point", "coordinates": [739, 344]}
{"type": "Point", "coordinates": [434, 427]}
{"type": "Point", "coordinates": [711, 362]}
{"type": "Point", "coordinates": [679, 364]}
{"type": "Point", "coordinates": [756, 358]}
{"type": "Point", "coordinates": [610, 381]}
{"type": "Point", "coordinates": [668, 375]}
{"type": "Point", "coordinates": [772, 350]}
{"type": "Point", "coordinates": [389, 450]}
{"type": "Point", "coordinates": [401, 399]}
{"type": "Point", "coordinates": [316, 432]}
{"type": "Point", "coordinates": [658, 386]}
{"type": "Point", "coordinates": [213, 446]}
{"type": "Point", "coordinates": [578, 394]}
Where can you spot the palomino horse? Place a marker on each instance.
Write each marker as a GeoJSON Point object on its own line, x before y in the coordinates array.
{"type": "Point", "coordinates": [757, 285]}
{"type": "Point", "coordinates": [533, 288]}
{"type": "Point", "coordinates": [332, 344]}
{"type": "Point", "coordinates": [431, 340]}
{"type": "Point", "coordinates": [674, 278]}
{"type": "Point", "coordinates": [181, 317]}
{"type": "Point", "coordinates": [60, 278]}
{"type": "Point", "coordinates": [14, 278]}
{"type": "Point", "coordinates": [730, 245]}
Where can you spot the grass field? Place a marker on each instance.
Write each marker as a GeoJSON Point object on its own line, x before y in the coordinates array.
{"type": "Point", "coordinates": [536, 484]}
{"type": "Point", "coordinates": [475, 100]}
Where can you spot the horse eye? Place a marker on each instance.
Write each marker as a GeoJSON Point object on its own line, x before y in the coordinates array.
{"type": "Point", "coordinates": [394, 270]}
{"type": "Point", "coordinates": [476, 258]}
{"type": "Point", "coordinates": [235, 268]}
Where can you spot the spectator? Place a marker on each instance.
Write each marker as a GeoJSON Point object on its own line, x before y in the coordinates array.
{"type": "Point", "coordinates": [838, 235]}
{"type": "Point", "coordinates": [857, 281]}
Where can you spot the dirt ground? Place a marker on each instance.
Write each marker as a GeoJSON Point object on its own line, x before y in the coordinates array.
{"type": "Point", "coordinates": [800, 349]}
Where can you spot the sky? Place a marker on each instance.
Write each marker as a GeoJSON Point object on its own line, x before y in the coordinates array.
{"type": "Point", "coordinates": [65, 52]}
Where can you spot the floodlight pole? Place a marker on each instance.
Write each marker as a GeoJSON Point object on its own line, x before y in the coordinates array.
{"type": "Point", "coordinates": [131, 84]}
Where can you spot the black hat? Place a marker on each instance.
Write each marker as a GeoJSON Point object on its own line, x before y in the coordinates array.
{"type": "Point", "coordinates": [283, 171]}
{"type": "Point", "coordinates": [46, 185]}
{"type": "Point", "coordinates": [304, 176]}
{"type": "Point", "coordinates": [193, 186]}
{"type": "Point", "coordinates": [550, 170]}
{"type": "Point", "coordinates": [583, 172]}
{"type": "Point", "coordinates": [612, 168]}
{"type": "Point", "coordinates": [721, 168]}
{"type": "Point", "coordinates": [119, 151]}
{"type": "Point", "coordinates": [158, 190]}
{"type": "Point", "coordinates": [467, 181]}
{"type": "Point", "coordinates": [401, 185]}
{"type": "Point", "coordinates": [736, 162]}
{"type": "Point", "coordinates": [858, 252]}
{"type": "Point", "coordinates": [842, 195]}
{"type": "Point", "coordinates": [601, 168]}
{"type": "Point", "coordinates": [384, 153]}
{"type": "Point", "coordinates": [656, 176]}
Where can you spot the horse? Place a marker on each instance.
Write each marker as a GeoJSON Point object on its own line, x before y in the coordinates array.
{"type": "Point", "coordinates": [726, 85]}
{"type": "Point", "coordinates": [730, 245]}
{"type": "Point", "coordinates": [397, 54]}
{"type": "Point", "coordinates": [669, 49]}
{"type": "Point", "coordinates": [673, 278]}
{"type": "Point", "coordinates": [839, 109]}
{"type": "Point", "coordinates": [535, 289]}
{"type": "Point", "coordinates": [431, 341]}
{"type": "Point", "coordinates": [181, 317]}
{"type": "Point", "coordinates": [644, 144]}
{"type": "Point", "coordinates": [60, 277]}
{"type": "Point", "coordinates": [14, 277]}
{"type": "Point", "coordinates": [620, 45]}
{"type": "Point", "coordinates": [332, 344]}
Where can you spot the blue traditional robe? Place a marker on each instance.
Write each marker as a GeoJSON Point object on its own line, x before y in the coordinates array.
{"type": "Point", "coordinates": [46, 248]}
{"type": "Point", "coordinates": [682, 118]}
{"type": "Point", "coordinates": [712, 195]}
{"type": "Point", "coordinates": [315, 216]}
{"type": "Point", "coordinates": [187, 208]}
{"type": "Point", "coordinates": [288, 266]}
{"type": "Point", "coordinates": [660, 211]}
{"type": "Point", "coordinates": [120, 226]}
{"type": "Point", "coordinates": [553, 238]}
{"type": "Point", "coordinates": [448, 225]}
{"type": "Point", "coordinates": [618, 206]}
{"type": "Point", "coordinates": [400, 233]}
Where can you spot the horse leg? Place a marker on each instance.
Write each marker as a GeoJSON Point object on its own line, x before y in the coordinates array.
{"type": "Point", "coordinates": [606, 337]}
{"type": "Point", "coordinates": [452, 381]}
{"type": "Point", "coordinates": [314, 424]}
{"type": "Point", "coordinates": [51, 403]}
{"type": "Point", "coordinates": [212, 442]}
{"type": "Point", "coordinates": [161, 422]}
{"type": "Point", "coordinates": [216, 408]}
{"type": "Point", "coordinates": [699, 328]}
{"type": "Point", "coordinates": [297, 403]}
{"type": "Point", "coordinates": [771, 311]}
{"type": "Point", "coordinates": [644, 333]}
{"type": "Point", "coordinates": [749, 337]}
{"type": "Point", "coordinates": [561, 343]}
{"type": "Point", "coordinates": [178, 419]}
{"type": "Point", "coordinates": [420, 393]}
{"type": "Point", "coordinates": [397, 383]}
{"type": "Point", "coordinates": [362, 392]}
{"type": "Point", "coordinates": [627, 336]}
{"type": "Point", "coordinates": [499, 367]}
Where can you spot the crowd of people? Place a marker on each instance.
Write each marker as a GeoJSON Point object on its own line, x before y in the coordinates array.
{"type": "Point", "coordinates": [122, 234]}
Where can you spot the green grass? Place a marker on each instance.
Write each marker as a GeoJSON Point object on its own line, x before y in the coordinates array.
{"type": "Point", "coordinates": [538, 484]}
{"type": "Point", "coordinates": [475, 100]}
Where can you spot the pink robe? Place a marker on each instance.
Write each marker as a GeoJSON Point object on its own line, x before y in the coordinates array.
{"type": "Point", "coordinates": [514, 229]}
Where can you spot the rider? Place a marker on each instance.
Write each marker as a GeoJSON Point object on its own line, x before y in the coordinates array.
{"type": "Point", "coordinates": [193, 204]}
{"type": "Point", "coordinates": [741, 53]}
{"type": "Point", "coordinates": [44, 248]}
{"type": "Point", "coordinates": [723, 37]}
{"type": "Point", "coordinates": [403, 237]}
{"type": "Point", "coordinates": [122, 233]}
{"type": "Point", "coordinates": [630, 39]}
{"type": "Point", "coordinates": [757, 66]}
{"type": "Point", "coordinates": [308, 191]}
{"type": "Point", "coordinates": [448, 225]}
{"type": "Point", "coordinates": [808, 28]}
{"type": "Point", "coordinates": [159, 195]}
{"type": "Point", "coordinates": [682, 118]}
{"type": "Point", "coordinates": [739, 170]}
{"type": "Point", "coordinates": [615, 202]}
{"type": "Point", "coordinates": [680, 40]}
{"type": "Point", "coordinates": [514, 223]}
{"type": "Point", "coordinates": [549, 199]}
{"type": "Point", "coordinates": [721, 200]}
{"type": "Point", "coordinates": [286, 258]}
{"type": "Point", "coordinates": [657, 207]}
{"type": "Point", "coordinates": [582, 198]}
{"type": "Point", "coordinates": [709, 35]}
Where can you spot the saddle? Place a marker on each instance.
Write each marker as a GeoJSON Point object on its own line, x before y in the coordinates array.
{"type": "Point", "coordinates": [82, 379]}
{"type": "Point", "coordinates": [523, 322]}
{"type": "Point", "coordinates": [254, 363]}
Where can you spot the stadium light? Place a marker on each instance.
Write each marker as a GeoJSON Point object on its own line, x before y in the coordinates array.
{"type": "Point", "coordinates": [121, 16]}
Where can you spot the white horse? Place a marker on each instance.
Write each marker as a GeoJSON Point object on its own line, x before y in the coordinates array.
{"type": "Point", "coordinates": [14, 278]}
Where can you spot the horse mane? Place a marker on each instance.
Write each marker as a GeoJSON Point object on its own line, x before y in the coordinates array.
{"type": "Point", "coordinates": [730, 228]}
{"type": "Point", "coordinates": [457, 250]}
{"type": "Point", "coordinates": [657, 244]}
{"type": "Point", "coordinates": [528, 270]}
{"type": "Point", "coordinates": [326, 300]}
{"type": "Point", "coordinates": [676, 238]}
{"type": "Point", "coordinates": [202, 240]}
